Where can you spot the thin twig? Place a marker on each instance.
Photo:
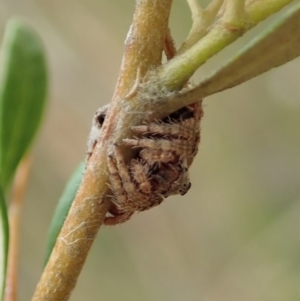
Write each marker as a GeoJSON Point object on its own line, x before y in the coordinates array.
{"type": "Point", "coordinates": [202, 20]}
{"type": "Point", "coordinates": [233, 23]}
{"type": "Point", "coordinates": [15, 210]}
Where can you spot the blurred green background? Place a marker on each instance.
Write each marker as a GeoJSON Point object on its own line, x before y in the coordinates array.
{"type": "Point", "coordinates": [234, 236]}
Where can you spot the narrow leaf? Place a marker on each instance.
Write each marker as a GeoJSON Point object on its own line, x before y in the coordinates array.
{"type": "Point", "coordinates": [23, 81]}
{"type": "Point", "coordinates": [63, 207]}
{"type": "Point", "coordinates": [277, 45]}
{"type": "Point", "coordinates": [4, 236]}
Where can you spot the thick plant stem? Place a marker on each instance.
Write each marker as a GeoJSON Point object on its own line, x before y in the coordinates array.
{"type": "Point", "coordinates": [15, 210]}
{"type": "Point", "coordinates": [142, 50]}
{"type": "Point", "coordinates": [144, 44]}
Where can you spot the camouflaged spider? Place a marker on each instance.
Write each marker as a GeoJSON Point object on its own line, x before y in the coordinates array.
{"type": "Point", "coordinates": [160, 169]}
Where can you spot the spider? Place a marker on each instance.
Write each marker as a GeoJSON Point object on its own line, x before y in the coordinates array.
{"type": "Point", "coordinates": [95, 130]}
{"type": "Point", "coordinates": [172, 139]}
{"type": "Point", "coordinates": [160, 169]}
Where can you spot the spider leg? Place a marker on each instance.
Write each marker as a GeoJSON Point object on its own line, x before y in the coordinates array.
{"type": "Point", "coordinates": [157, 156]}
{"type": "Point", "coordinates": [136, 200]}
{"type": "Point", "coordinates": [116, 183]}
{"type": "Point", "coordinates": [154, 200]}
{"type": "Point", "coordinates": [184, 129]}
{"type": "Point", "coordinates": [117, 218]}
{"type": "Point", "coordinates": [180, 147]}
{"type": "Point", "coordinates": [140, 173]}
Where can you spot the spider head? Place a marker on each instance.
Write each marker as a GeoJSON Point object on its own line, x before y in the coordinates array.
{"type": "Point", "coordinates": [184, 188]}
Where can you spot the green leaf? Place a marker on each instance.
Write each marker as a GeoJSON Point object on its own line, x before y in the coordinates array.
{"type": "Point", "coordinates": [63, 207]}
{"type": "Point", "coordinates": [23, 85]}
{"type": "Point", "coordinates": [4, 236]}
{"type": "Point", "coordinates": [276, 46]}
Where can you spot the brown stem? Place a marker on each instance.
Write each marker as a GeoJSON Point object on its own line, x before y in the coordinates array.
{"type": "Point", "coordinates": [15, 209]}
{"type": "Point", "coordinates": [143, 49]}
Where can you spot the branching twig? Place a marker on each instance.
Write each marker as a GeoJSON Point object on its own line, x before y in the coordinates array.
{"type": "Point", "coordinates": [202, 19]}
{"type": "Point", "coordinates": [152, 96]}
{"type": "Point", "coordinates": [247, 63]}
{"type": "Point", "coordinates": [233, 23]}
